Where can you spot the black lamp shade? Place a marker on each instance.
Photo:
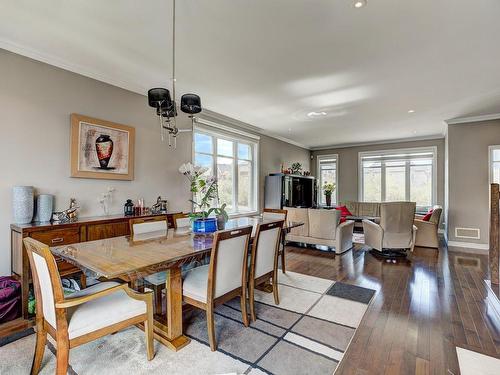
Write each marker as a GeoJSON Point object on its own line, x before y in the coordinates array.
{"type": "Point", "coordinates": [159, 97]}
{"type": "Point", "coordinates": [190, 103]}
{"type": "Point", "coordinates": [167, 111]}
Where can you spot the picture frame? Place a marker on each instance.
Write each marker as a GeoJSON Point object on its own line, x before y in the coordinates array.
{"type": "Point", "coordinates": [101, 149]}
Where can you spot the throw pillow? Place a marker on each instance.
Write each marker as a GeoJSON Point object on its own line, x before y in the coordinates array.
{"type": "Point", "coordinates": [343, 211]}
{"type": "Point", "coordinates": [428, 215]}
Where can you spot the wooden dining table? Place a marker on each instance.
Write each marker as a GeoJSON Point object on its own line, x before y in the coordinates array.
{"type": "Point", "coordinates": [129, 259]}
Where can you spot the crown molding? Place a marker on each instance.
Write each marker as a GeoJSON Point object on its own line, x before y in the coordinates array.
{"type": "Point", "coordinates": [126, 85]}
{"type": "Point", "coordinates": [465, 120]}
{"type": "Point", "coordinates": [374, 143]}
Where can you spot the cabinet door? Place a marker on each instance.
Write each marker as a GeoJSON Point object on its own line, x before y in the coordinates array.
{"type": "Point", "coordinates": [101, 231]}
{"type": "Point", "coordinates": [58, 237]}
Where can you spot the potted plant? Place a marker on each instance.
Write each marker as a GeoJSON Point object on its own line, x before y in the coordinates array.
{"type": "Point", "coordinates": [221, 215]}
{"type": "Point", "coordinates": [328, 189]}
{"type": "Point", "coordinates": [205, 192]}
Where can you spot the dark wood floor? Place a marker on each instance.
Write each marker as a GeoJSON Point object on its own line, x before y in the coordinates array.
{"type": "Point", "coordinates": [424, 307]}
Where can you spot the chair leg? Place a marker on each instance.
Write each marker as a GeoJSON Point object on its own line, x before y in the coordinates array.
{"type": "Point", "coordinates": [41, 340]}
{"type": "Point", "coordinates": [62, 357]}
{"type": "Point", "coordinates": [251, 299]}
{"type": "Point", "coordinates": [243, 303]}
{"type": "Point", "coordinates": [211, 327]}
{"type": "Point", "coordinates": [275, 288]}
{"type": "Point", "coordinates": [148, 330]}
{"type": "Point", "coordinates": [83, 280]}
{"type": "Point", "coordinates": [283, 268]}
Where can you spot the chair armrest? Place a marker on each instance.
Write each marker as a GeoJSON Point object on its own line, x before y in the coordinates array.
{"type": "Point", "coordinates": [343, 236]}
{"type": "Point", "coordinates": [374, 234]}
{"type": "Point", "coordinates": [424, 224]}
{"type": "Point", "coordinates": [70, 302]}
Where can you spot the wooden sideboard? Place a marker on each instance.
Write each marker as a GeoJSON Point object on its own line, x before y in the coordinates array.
{"type": "Point", "coordinates": [82, 230]}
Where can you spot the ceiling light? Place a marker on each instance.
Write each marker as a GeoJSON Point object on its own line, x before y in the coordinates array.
{"type": "Point", "coordinates": [316, 114]}
{"type": "Point", "coordinates": [411, 111]}
{"type": "Point", "coordinates": [359, 3]}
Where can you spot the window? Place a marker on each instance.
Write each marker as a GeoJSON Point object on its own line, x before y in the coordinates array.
{"type": "Point", "coordinates": [399, 175]}
{"type": "Point", "coordinates": [494, 164]}
{"type": "Point", "coordinates": [232, 159]}
{"type": "Point", "coordinates": [327, 173]}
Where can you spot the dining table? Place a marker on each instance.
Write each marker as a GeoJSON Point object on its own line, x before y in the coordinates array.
{"type": "Point", "coordinates": [131, 259]}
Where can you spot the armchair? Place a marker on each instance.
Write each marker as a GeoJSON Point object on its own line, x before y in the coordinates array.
{"type": "Point", "coordinates": [83, 316]}
{"type": "Point", "coordinates": [427, 234]}
{"type": "Point", "coordinates": [395, 232]}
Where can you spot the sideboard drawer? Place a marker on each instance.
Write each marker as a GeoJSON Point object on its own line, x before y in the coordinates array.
{"type": "Point", "coordinates": [58, 237]}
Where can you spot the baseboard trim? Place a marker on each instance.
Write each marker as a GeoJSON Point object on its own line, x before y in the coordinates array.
{"type": "Point", "coordinates": [482, 247]}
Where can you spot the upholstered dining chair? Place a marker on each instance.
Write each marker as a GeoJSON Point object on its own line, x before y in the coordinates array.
{"type": "Point", "coordinates": [144, 229]}
{"type": "Point", "coordinates": [83, 316]}
{"type": "Point", "coordinates": [396, 231]}
{"type": "Point", "coordinates": [181, 220]}
{"type": "Point", "coordinates": [276, 214]}
{"type": "Point", "coordinates": [223, 279]}
{"type": "Point", "coordinates": [264, 260]}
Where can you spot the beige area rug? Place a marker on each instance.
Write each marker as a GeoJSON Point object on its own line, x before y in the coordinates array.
{"type": "Point", "coordinates": [308, 333]}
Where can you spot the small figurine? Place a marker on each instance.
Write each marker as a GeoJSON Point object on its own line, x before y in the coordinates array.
{"type": "Point", "coordinates": [69, 214]}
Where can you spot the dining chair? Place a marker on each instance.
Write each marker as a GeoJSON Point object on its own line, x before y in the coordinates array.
{"type": "Point", "coordinates": [223, 279]}
{"type": "Point", "coordinates": [264, 261]}
{"type": "Point", "coordinates": [181, 220]}
{"type": "Point", "coordinates": [83, 316]}
{"type": "Point", "coordinates": [144, 229]}
{"type": "Point", "coordinates": [275, 214]}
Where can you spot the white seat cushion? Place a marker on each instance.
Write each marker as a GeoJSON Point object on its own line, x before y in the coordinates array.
{"type": "Point", "coordinates": [101, 312]}
{"type": "Point", "coordinates": [195, 283]}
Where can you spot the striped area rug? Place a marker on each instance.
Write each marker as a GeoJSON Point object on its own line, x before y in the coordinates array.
{"type": "Point", "coordinates": [308, 333]}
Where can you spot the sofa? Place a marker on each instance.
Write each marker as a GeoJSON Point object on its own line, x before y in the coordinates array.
{"type": "Point", "coordinates": [427, 234]}
{"type": "Point", "coordinates": [321, 227]}
{"type": "Point", "coordinates": [360, 210]}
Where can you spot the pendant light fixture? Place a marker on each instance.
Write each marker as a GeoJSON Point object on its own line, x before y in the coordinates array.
{"type": "Point", "coordinates": [165, 105]}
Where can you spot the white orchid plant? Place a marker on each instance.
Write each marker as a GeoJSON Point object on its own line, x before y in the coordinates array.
{"type": "Point", "coordinates": [205, 192]}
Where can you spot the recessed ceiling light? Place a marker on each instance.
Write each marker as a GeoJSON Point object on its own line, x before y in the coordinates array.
{"type": "Point", "coordinates": [316, 114]}
{"type": "Point", "coordinates": [411, 111]}
{"type": "Point", "coordinates": [359, 3]}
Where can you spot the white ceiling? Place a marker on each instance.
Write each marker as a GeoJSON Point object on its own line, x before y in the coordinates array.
{"type": "Point", "coordinates": [269, 63]}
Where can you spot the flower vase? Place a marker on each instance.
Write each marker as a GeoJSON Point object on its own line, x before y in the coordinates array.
{"type": "Point", "coordinates": [23, 204]}
{"type": "Point", "coordinates": [328, 198]}
{"type": "Point", "coordinates": [202, 226]}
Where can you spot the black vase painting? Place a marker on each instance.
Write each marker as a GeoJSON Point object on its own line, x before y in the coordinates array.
{"type": "Point", "coordinates": [101, 149]}
{"type": "Point", "coordinates": [104, 149]}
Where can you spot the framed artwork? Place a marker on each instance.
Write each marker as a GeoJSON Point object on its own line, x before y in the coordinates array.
{"type": "Point", "coordinates": [101, 149]}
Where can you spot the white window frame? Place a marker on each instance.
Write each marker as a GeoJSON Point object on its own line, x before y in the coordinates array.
{"type": "Point", "coordinates": [237, 137]}
{"type": "Point", "coordinates": [490, 162]}
{"type": "Point", "coordinates": [432, 149]}
{"type": "Point", "coordinates": [318, 169]}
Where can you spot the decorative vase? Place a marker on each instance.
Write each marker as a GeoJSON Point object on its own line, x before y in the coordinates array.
{"type": "Point", "coordinates": [328, 198]}
{"type": "Point", "coordinates": [44, 207]}
{"type": "Point", "coordinates": [208, 225]}
{"type": "Point", "coordinates": [104, 148]}
{"type": "Point", "coordinates": [22, 204]}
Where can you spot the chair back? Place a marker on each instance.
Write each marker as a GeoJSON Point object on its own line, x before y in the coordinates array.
{"type": "Point", "coordinates": [274, 214]}
{"type": "Point", "coordinates": [265, 248]}
{"type": "Point", "coordinates": [228, 261]}
{"type": "Point", "coordinates": [397, 217]}
{"type": "Point", "coordinates": [436, 214]}
{"type": "Point", "coordinates": [46, 280]}
{"type": "Point", "coordinates": [181, 221]}
{"type": "Point", "coordinates": [142, 229]}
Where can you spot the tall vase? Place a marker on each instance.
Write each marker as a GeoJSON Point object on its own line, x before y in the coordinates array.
{"type": "Point", "coordinates": [328, 198]}
{"type": "Point", "coordinates": [22, 204]}
{"type": "Point", "coordinates": [44, 207]}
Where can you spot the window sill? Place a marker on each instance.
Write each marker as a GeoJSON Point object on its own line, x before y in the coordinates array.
{"type": "Point", "coordinates": [243, 214]}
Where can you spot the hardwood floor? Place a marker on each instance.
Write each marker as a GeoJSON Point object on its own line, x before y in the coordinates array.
{"type": "Point", "coordinates": [425, 306]}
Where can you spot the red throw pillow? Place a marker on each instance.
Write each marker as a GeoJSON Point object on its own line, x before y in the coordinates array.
{"type": "Point", "coordinates": [343, 211]}
{"type": "Point", "coordinates": [428, 215]}
{"type": "Point", "coordinates": [343, 219]}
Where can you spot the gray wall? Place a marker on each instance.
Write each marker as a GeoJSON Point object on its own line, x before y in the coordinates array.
{"type": "Point", "coordinates": [468, 177]}
{"type": "Point", "coordinates": [348, 165]}
{"type": "Point", "coordinates": [36, 101]}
